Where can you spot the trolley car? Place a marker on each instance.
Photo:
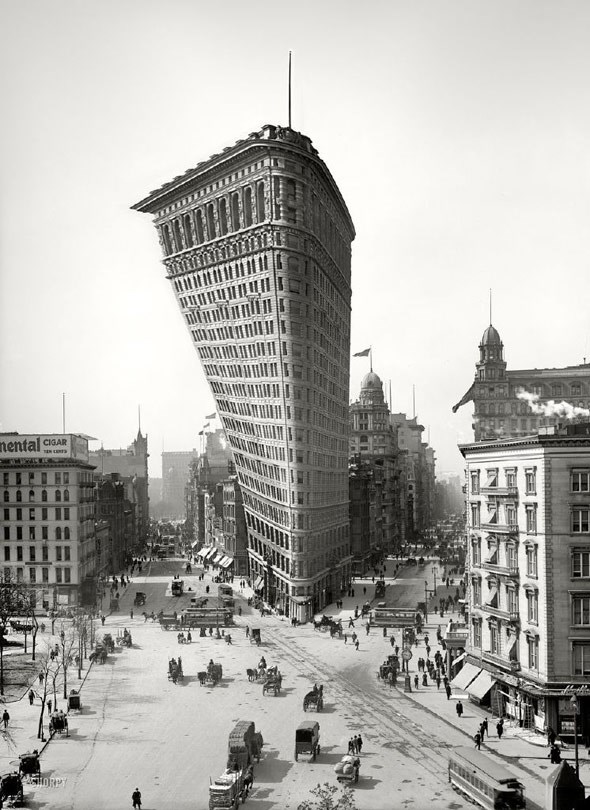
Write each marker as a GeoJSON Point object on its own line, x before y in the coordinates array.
{"type": "Point", "coordinates": [483, 781]}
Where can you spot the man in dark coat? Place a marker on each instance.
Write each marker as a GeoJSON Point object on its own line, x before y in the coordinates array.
{"type": "Point", "coordinates": [459, 708]}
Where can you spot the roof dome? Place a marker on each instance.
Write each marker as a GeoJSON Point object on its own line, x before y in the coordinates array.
{"type": "Point", "coordinates": [491, 336]}
{"type": "Point", "coordinates": [371, 380]}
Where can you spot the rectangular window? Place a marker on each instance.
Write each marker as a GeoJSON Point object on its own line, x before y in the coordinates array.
{"type": "Point", "coordinates": [32, 575]}
{"type": "Point", "coordinates": [45, 554]}
{"type": "Point", "coordinates": [57, 479]}
{"type": "Point", "coordinates": [580, 481]}
{"type": "Point", "coordinates": [581, 659]}
{"type": "Point", "coordinates": [19, 513]}
{"type": "Point", "coordinates": [511, 478]}
{"type": "Point", "coordinates": [512, 600]}
{"type": "Point", "coordinates": [492, 478]}
{"type": "Point", "coordinates": [530, 479]}
{"type": "Point", "coordinates": [44, 513]}
{"type": "Point", "coordinates": [44, 479]}
{"type": "Point", "coordinates": [58, 553]}
{"type": "Point", "coordinates": [32, 533]}
{"type": "Point", "coordinates": [58, 577]}
{"type": "Point", "coordinates": [7, 514]}
{"type": "Point", "coordinates": [32, 553]}
{"type": "Point", "coordinates": [581, 564]}
{"type": "Point", "coordinates": [477, 633]}
{"type": "Point", "coordinates": [531, 518]}
{"type": "Point", "coordinates": [66, 478]}
{"type": "Point", "coordinates": [476, 588]}
{"type": "Point", "coordinates": [476, 552]}
{"type": "Point", "coordinates": [67, 575]}
{"type": "Point", "coordinates": [531, 561]}
{"type": "Point", "coordinates": [44, 533]}
{"type": "Point", "coordinates": [19, 532]}
{"type": "Point", "coordinates": [31, 513]}
{"type": "Point", "coordinates": [5, 479]}
{"type": "Point", "coordinates": [580, 520]}
{"type": "Point", "coordinates": [581, 610]}
{"type": "Point", "coordinates": [7, 532]}
{"type": "Point", "coordinates": [532, 601]}
{"type": "Point", "coordinates": [45, 575]}
{"type": "Point", "coordinates": [475, 515]}
{"type": "Point", "coordinates": [6, 553]}
{"type": "Point", "coordinates": [494, 640]}
{"type": "Point", "coordinates": [66, 512]}
{"type": "Point", "coordinates": [19, 553]}
{"type": "Point", "coordinates": [533, 645]}
{"type": "Point", "coordinates": [66, 553]}
{"type": "Point", "coordinates": [475, 482]}
{"type": "Point", "coordinates": [58, 513]}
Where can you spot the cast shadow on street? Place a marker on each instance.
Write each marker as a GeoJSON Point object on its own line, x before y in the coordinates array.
{"type": "Point", "coordinates": [276, 773]}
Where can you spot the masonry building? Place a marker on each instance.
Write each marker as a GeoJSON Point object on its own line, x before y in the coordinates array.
{"type": "Point", "coordinates": [257, 248]}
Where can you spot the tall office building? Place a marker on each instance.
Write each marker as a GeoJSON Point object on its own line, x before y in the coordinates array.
{"type": "Point", "coordinates": [257, 245]}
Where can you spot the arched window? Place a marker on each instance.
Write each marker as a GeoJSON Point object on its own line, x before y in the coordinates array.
{"type": "Point", "coordinates": [167, 240]}
{"type": "Point", "coordinates": [247, 206]}
{"type": "Point", "coordinates": [19, 496]}
{"type": "Point", "coordinates": [235, 211]}
{"type": "Point", "coordinates": [178, 235]}
{"type": "Point", "coordinates": [44, 496]}
{"type": "Point", "coordinates": [58, 533]}
{"type": "Point", "coordinates": [223, 216]}
{"type": "Point", "coordinates": [66, 494]}
{"type": "Point", "coordinates": [57, 495]}
{"type": "Point", "coordinates": [31, 495]}
{"type": "Point", "coordinates": [6, 496]}
{"type": "Point", "coordinates": [188, 231]}
{"type": "Point", "coordinates": [200, 228]}
{"type": "Point", "coordinates": [260, 202]}
{"type": "Point", "coordinates": [67, 533]}
{"type": "Point", "coordinates": [211, 221]}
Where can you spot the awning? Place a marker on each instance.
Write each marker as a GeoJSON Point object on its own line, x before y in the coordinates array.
{"type": "Point", "coordinates": [211, 552]}
{"type": "Point", "coordinates": [481, 685]}
{"type": "Point", "coordinates": [458, 659]}
{"type": "Point", "coordinates": [258, 583]}
{"type": "Point", "coordinates": [202, 552]}
{"type": "Point", "coordinates": [194, 543]}
{"type": "Point", "coordinates": [214, 559]}
{"type": "Point", "coordinates": [225, 562]}
{"type": "Point", "coordinates": [465, 676]}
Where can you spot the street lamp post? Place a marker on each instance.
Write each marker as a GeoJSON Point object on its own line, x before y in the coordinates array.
{"type": "Point", "coordinates": [575, 705]}
{"type": "Point", "coordinates": [425, 600]}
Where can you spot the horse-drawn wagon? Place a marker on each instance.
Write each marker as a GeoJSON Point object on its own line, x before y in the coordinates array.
{"type": "Point", "coordinates": [272, 682]}
{"type": "Point", "coordinates": [255, 637]}
{"type": "Point", "coordinates": [29, 764]}
{"type": "Point", "coordinates": [11, 789]}
{"type": "Point", "coordinates": [229, 788]}
{"type": "Point", "coordinates": [314, 699]}
{"type": "Point", "coordinates": [307, 739]}
{"type": "Point", "coordinates": [58, 723]}
{"type": "Point", "coordinates": [175, 672]}
{"type": "Point", "coordinates": [244, 745]}
{"type": "Point", "coordinates": [74, 702]}
{"type": "Point", "coordinates": [347, 770]}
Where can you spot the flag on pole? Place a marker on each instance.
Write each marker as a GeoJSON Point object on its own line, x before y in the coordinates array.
{"type": "Point", "coordinates": [364, 353]}
{"type": "Point", "coordinates": [211, 415]}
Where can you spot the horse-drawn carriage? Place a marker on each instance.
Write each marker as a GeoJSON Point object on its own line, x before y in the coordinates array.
{"type": "Point", "coordinates": [58, 723]}
{"type": "Point", "coordinates": [168, 621]}
{"type": "Point", "coordinates": [74, 703]}
{"type": "Point", "coordinates": [125, 639]}
{"type": "Point", "coordinates": [314, 699]}
{"type": "Point", "coordinates": [307, 739]}
{"type": "Point", "coordinates": [175, 672]}
{"type": "Point", "coordinates": [229, 789]}
{"type": "Point", "coordinates": [11, 789]}
{"type": "Point", "coordinates": [99, 653]}
{"type": "Point", "coordinates": [212, 675]}
{"type": "Point", "coordinates": [140, 599]}
{"type": "Point", "coordinates": [255, 637]}
{"type": "Point", "coordinates": [29, 764]}
{"type": "Point", "coordinates": [272, 682]}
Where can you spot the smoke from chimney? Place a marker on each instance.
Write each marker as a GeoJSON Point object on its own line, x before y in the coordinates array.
{"type": "Point", "coordinates": [551, 408]}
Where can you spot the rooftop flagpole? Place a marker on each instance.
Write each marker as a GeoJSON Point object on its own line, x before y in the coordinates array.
{"type": "Point", "coordinates": [63, 412]}
{"type": "Point", "coordinates": [289, 89]}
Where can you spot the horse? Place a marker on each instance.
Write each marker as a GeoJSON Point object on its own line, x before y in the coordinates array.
{"type": "Point", "coordinates": [252, 674]}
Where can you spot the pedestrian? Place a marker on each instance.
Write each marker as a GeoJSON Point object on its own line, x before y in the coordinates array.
{"type": "Point", "coordinates": [364, 590]}
{"type": "Point", "coordinates": [240, 610]}
{"type": "Point", "coordinates": [438, 681]}
{"type": "Point", "coordinates": [554, 755]}
{"type": "Point", "coordinates": [359, 744]}
{"type": "Point", "coordinates": [49, 705]}
{"type": "Point", "coordinates": [189, 637]}
{"type": "Point", "coordinates": [459, 708]}
{"type": "Point", "coordinates": [356, 644]}
{"type": "Point", "coordinates": [31, 697]}
{"type": "Point", "coordinates": [131, 613]}
{"type": "Point", "coordinates": [345, 638]}
{"type": "Point", "coordinates": [484, 728]}
{"type": "Point", "coordinates": [425, 680]}
{"type": "Point", "coordinates": [5, 718]}
{"type": "Point", "coordinates": [448, 690]}
{"type": "Point", "coordinates": [350, 746]}
{"type": "Point", "coordinates": [416, 681]}
{"type": "Point", "coordinates": [392, 641]}
{"type": "Point", "coordinates": [136, 798]}
{"type": "Point", "coordinates": [102, 619]}
{"type": "Point", "coordinates": [350, 623]}
{"type": "Point", "coordinates": [500, 728]}
{"type": "Point", "coordinates": [369, 629]}
{"type": "Point", "coordinates": [477, 739]}
{"type": "Point", "coordinates": [247, 632]}
{"type": "Point", "coordinates": [551, 736]}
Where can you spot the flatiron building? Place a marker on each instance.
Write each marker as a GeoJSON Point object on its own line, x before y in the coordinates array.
{"type": "Point", "coordinates": [257, 247]}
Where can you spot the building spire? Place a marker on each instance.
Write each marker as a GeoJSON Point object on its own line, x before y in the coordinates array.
{"type": "Point", "coordinates": [490, 306]}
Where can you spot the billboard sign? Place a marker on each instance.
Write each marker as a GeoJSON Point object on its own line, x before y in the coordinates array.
{"type": "Point", "coordinates": [43, 445]}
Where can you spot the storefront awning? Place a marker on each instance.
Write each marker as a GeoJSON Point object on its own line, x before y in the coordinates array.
{"type": "Point", "coordinates": [458, 659]}
{"type": "Point", "coordinates": [194, 543]}
{"type": "Point", "coordinates": [202, 552]}
{"type": "Point", "coordinates": [465, 675]}
{"type": "Point", "coordinates": [211, 552]}
{"type": "Point", "coordinates": [225, 562]}
{"type": "Point", "coordinates": [258, 583]}
{"type": "Point", "coordinates": [481, 685]}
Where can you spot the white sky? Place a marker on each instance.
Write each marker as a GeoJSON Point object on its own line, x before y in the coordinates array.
{"type": "Point", "coordinates": [458, 133]}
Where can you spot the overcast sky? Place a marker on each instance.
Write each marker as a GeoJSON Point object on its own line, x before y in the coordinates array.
{"type": "Point", "coordinates": [458, 133]}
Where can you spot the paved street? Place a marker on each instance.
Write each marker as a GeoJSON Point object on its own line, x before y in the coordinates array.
{"type": "Point", "coordinates": [139, 729]}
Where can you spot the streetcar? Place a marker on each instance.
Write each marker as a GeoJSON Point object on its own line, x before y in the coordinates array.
{"type": "Point", "coordinates": [479, 778]}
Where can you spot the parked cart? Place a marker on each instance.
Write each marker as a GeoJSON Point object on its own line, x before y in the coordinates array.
{"type": "Point", "coordinates": [29, 764]}
{"type": "Point", "coordinates": [307, 739]}
{"type": "Point", "coordinates": [347, 770]}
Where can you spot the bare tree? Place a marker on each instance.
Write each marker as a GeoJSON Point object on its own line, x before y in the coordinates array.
{"type": "Point", "coordinates": [48, 676]}
{"type": "Point", "coordinates": [67, 651]}
{"type": "Point", "coordinates": [14, 601]}
{"type": "Point", "coordinates": [325, 798]}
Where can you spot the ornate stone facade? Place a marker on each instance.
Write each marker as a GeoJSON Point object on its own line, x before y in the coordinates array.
{"type": "Point", "coordinates": [257, 247]}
